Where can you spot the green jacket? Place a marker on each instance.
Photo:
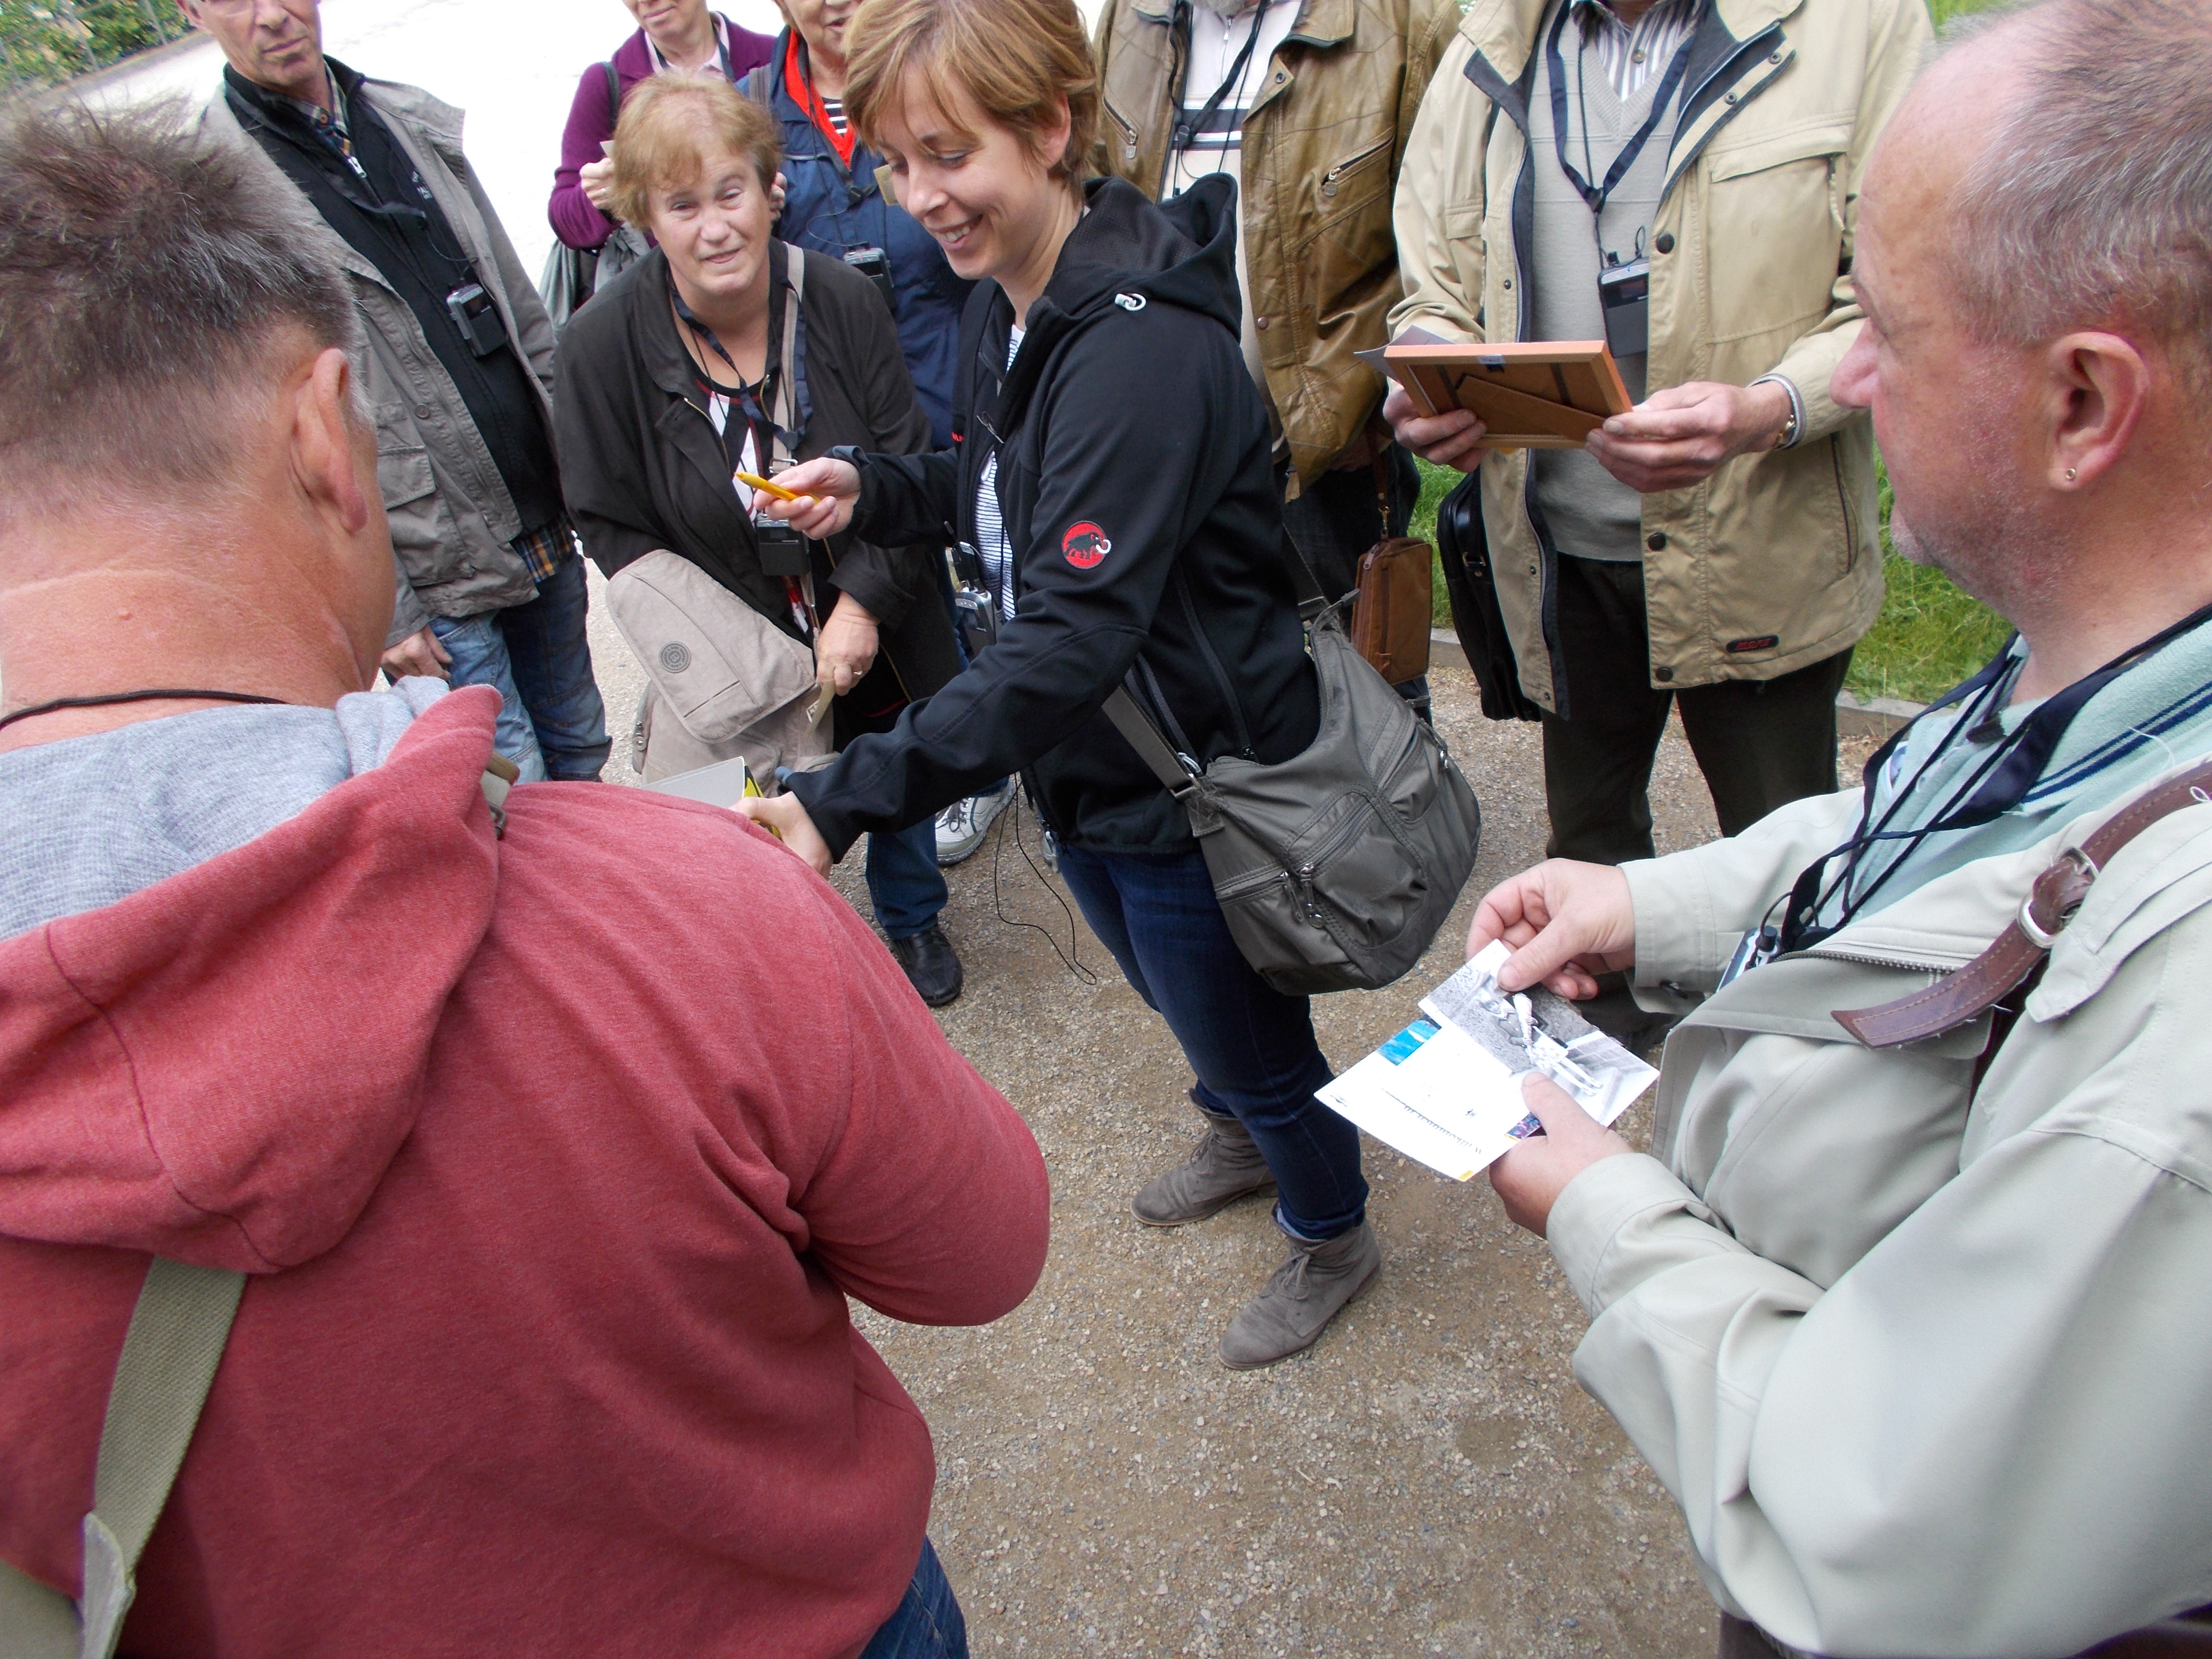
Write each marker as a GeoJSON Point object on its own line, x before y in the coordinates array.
{"type": "Point", "coordinates": [1925, 1366]}
{"type": "Point", "coordinates": [1772, 563]}
{"type": "Point", "coordinates": [1321, 151]}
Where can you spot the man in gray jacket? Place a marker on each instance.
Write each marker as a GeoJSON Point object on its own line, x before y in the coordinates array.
{"type": "Point", "coordinates": [459, 374]}
{"type": "Point", "coordinates": [1908, 1307]}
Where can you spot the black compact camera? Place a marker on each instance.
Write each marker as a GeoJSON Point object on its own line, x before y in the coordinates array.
{"type": "Point", "coordinates": [477, 317]}
{"type": "Point", "coordinates": [782, 550]}
{"type": "Point", "coordinates": [1624, 293]}
{"type": "Point", "coordinates": [875, 264]}
{"type": "Point", "coordinates": [975, 606]}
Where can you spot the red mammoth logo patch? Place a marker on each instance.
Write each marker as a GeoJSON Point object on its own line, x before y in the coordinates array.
{"type": "Point", "coordinates": [1085, 544]}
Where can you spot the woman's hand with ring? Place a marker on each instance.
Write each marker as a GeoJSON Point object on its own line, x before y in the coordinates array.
{"type": "Point", "coordinates": [845, 649]}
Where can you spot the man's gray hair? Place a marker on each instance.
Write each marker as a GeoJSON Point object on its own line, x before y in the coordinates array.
{"type": "Point", "coordinates": [2092, 201]}
{"type": "Point", "coordinates": [147, 274]}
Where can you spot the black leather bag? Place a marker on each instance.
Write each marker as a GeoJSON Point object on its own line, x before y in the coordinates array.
{"type": "Point", "coordinates": [1463, 550]}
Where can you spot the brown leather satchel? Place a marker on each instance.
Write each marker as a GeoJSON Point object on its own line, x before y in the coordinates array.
{"type": "Point", "coordinates": [1397, 602]}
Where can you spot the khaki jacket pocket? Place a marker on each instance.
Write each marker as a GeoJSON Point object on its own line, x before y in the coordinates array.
{"type": "Point", "coordinates": [1775, 230]}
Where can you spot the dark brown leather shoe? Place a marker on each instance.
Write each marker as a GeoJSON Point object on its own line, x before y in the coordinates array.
{"type": "Point", "coordinates": [931, 967]}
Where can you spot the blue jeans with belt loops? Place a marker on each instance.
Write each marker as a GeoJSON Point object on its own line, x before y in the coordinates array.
{"type": "Point", "coordinates": [928, 1624]}
{"type": "Point", "coordinates": [1253, 1048]}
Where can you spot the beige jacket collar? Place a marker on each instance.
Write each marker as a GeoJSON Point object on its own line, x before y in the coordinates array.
{"type": "Point", "coordinates": [1504, 32]}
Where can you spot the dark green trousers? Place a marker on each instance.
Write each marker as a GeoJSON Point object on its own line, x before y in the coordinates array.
{"type": "Point", "coordinates": [1760, 744]}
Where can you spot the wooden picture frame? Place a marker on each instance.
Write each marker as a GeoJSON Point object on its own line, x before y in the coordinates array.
{"type": "Point", "coordinates": [1548, 394]}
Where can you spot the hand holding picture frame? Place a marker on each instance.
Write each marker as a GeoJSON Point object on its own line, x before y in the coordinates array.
{"type": "Point", "coordinates": [1539, 395]}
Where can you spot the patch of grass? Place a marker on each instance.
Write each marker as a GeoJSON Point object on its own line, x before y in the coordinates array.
{"type": "Point", "coordinates": [1929, 637]}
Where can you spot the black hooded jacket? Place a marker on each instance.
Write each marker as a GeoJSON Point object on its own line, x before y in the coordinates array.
{"type": "Point", "coordinates": [1140, 509]}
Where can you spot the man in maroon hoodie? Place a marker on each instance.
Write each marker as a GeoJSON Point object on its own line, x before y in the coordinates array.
{"type": "Point", "coordinates": [552, 1148]}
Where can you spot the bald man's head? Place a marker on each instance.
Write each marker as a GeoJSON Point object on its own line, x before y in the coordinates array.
{"type": "Point", "coordinates": [2076, 139]}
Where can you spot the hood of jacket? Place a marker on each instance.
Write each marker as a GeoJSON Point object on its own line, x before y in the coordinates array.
{"type": "Point", "coordinates": [1180, 252]}
{"type": "Point", "coordinates": [221, 1067]}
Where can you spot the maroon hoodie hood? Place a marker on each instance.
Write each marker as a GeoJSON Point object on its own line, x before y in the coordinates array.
{"type": "Point", "coordinates": [220, 1068]}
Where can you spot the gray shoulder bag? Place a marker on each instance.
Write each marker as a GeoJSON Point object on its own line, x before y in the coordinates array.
{"type": "Point", "coordinates": [170, 1352]}
{"type": "Point", "coordinates": [1336, 868]}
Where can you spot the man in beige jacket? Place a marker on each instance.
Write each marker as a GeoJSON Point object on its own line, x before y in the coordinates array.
{"type": "Point", "coordinates": [1908, 1308]}
{"type": "Point", "coordinates": [1717, 547]}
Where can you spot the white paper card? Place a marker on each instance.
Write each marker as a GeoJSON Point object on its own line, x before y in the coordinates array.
{"type": "Point", "coordinates": [1446, 1091]}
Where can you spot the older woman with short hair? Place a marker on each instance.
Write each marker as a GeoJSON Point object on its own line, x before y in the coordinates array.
{"type": "Point", "coordinates": [673, 380]}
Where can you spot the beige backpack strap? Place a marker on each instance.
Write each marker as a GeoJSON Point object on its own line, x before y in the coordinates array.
{"type": "Point", "coordinates": [170, 1353]}
{"type": "Point", "coordinates": [499, 775]}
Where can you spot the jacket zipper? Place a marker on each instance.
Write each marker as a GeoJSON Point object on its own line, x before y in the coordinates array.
{"type": "Point", "coordinates": [1328, 179]}
{"type": "Point", "coordinates": [1844, 495]}
{"type": "Point", "coordinates": [1128, 132]}
{"type": "Point", "coordinates": [1871, 959]}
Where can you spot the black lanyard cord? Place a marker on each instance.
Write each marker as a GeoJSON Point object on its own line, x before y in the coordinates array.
{"type": "Point", "coordinates": [171, 695]}
{"type": "Point", "coordinates": [755, 402]}
{"type": "Point", "coordinates": [1998, 785]}
{"type": "Point", "coordinates": [1596, 195]}
{"type": "Point", "coordinates": [1187, 132]}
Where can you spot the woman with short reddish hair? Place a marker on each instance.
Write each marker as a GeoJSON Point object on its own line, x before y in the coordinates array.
{"type": "Point", "coordinates": [1111, 487]}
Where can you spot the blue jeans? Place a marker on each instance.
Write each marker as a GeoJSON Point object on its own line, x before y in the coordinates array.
{"type": "Point", "coordinates": [928, 1625]}
{"type": "Point", "coordinates": [1252, 1048]}
{"type": "Point", "coordinates": [904, 881]}
{"type": "Point", "coordinates": [551, 722]}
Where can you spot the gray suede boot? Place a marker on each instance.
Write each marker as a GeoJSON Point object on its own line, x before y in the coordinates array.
{"type": "Point", "coordinates": [1303, 1296]}
{"type": "Point", "coordinates": [1223, 1167]}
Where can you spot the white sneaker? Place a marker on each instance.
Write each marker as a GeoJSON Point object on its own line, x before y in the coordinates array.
{"type": "Point", "coordinates": [962, 826]}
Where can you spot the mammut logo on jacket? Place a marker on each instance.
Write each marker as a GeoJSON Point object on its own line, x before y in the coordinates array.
{"type": "Point", "coordinates": [1086, 545]}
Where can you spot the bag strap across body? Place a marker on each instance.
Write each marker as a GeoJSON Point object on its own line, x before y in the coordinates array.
{"type": "Point", "coordinates": [1960, 998]}
{"type": "Point", "coordinates": [170, 1352]}
{"type": "Point", "coordinates": [1178, 771]}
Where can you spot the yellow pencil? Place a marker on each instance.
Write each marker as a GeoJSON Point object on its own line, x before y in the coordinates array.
{"type": "Point", "coordinates": [769, 484]}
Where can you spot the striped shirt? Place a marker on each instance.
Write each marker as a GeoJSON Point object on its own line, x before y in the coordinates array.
{"type": "Point", "coordinates": [991, 548]}
{"type": "Point", "coordinates": [1632, 54]}
{"type": "Point", "coordinates": [833, 112]}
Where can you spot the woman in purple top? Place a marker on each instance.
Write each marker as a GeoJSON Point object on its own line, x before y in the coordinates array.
{"type": "Point", "coordinates": [672, 34]}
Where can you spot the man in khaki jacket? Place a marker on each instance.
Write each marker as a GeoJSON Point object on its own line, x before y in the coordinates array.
{"type": "Point", "coordinates": [1718, 547]}
{"type": "Point", "coordinates": [1908, 1308]}
{"type": "Point", "coordinates": [459, 374]}
{"type": "Point", "coordinates": [1317, 100]}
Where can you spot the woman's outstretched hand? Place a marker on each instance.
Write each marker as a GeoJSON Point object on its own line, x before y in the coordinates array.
{"type": "Point", "coordinates": [785, 816]}
{"type": "Point", "coordinates": [827, 489]}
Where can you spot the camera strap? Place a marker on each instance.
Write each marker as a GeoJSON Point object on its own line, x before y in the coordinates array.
{"type": "Point", "coordinates": [1999, 784]}
{"type": "Point", "coordinates": [1187, 132]}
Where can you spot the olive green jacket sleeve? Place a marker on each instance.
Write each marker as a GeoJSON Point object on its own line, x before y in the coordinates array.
{"type": "Point", "coordinates": [1924, 1365]}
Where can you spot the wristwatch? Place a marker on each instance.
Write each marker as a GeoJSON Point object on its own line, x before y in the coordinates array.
{"type": "Point", "coordinates": [1795, 423]}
